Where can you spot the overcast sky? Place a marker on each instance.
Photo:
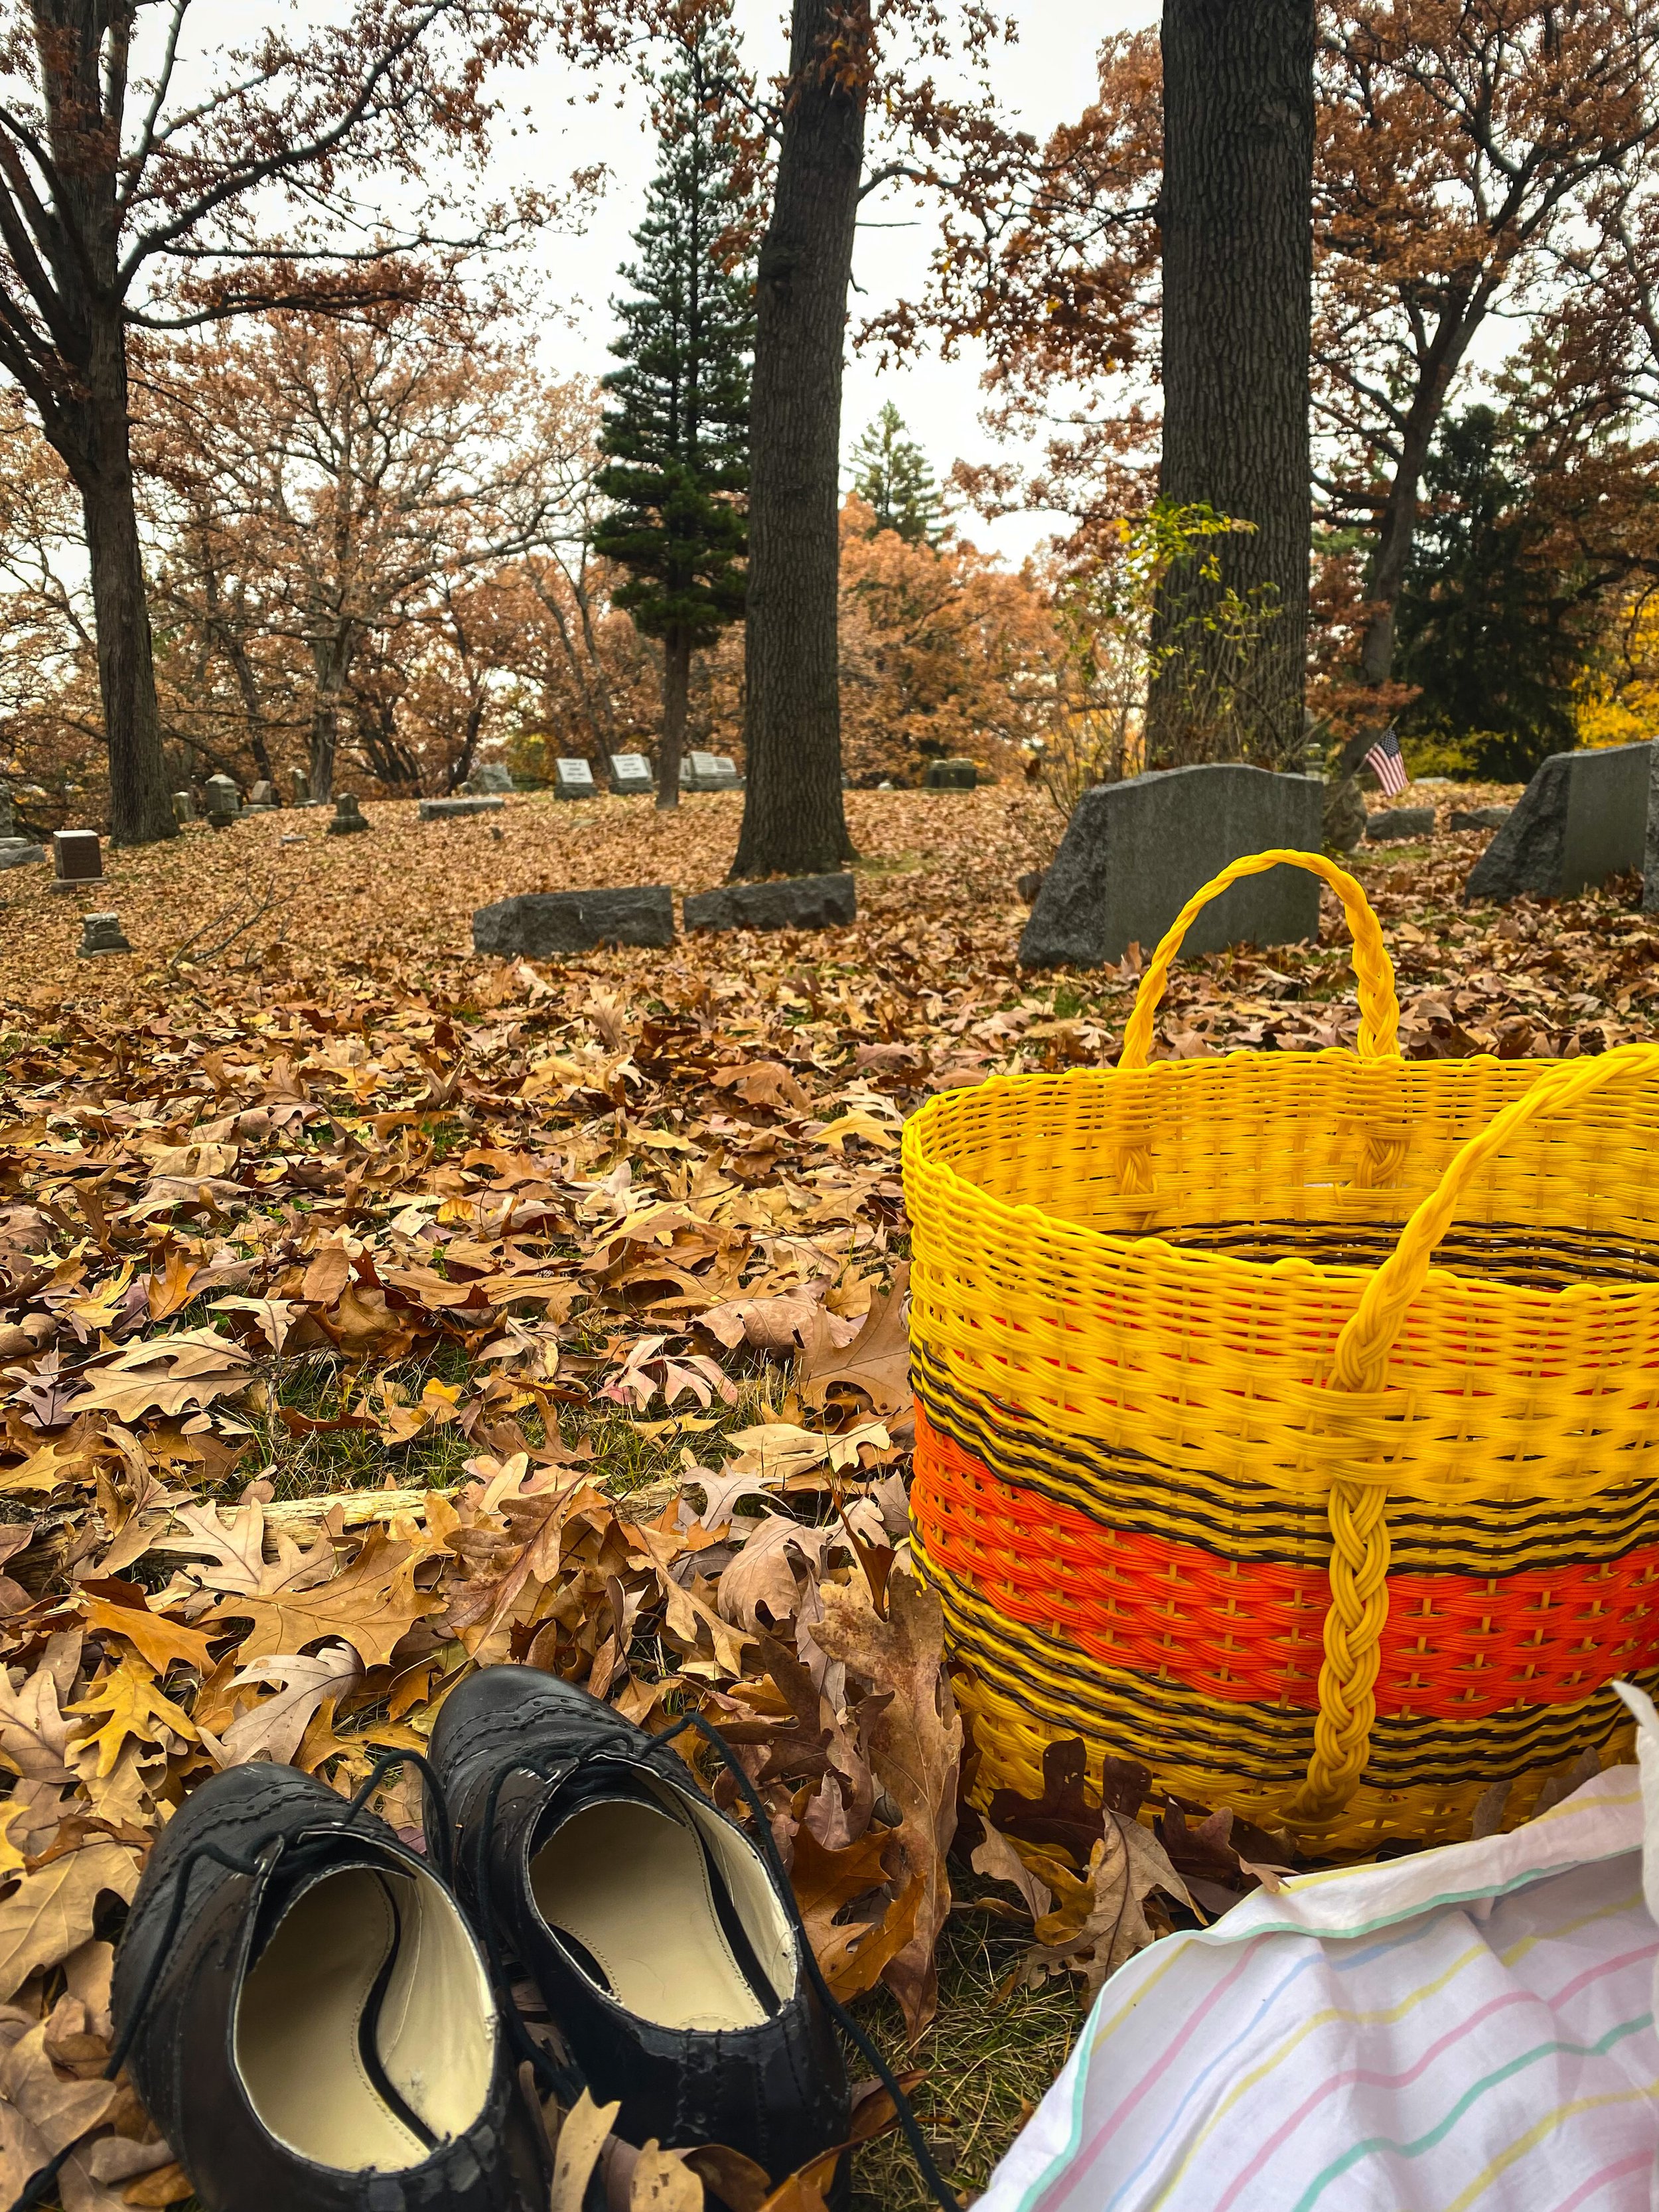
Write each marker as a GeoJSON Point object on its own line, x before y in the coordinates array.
{"type": "Point", "coordinates": [1046, 78]}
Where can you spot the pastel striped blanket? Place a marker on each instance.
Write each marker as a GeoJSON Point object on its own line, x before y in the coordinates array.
{"type": "Point", "coordinates": [1468, 2030]}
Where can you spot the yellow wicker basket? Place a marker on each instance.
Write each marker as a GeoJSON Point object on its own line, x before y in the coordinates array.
{"type": "Point", "coordinates": [1289, 1422]}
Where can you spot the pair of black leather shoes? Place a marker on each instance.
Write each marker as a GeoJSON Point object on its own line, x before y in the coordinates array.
{"type": "Point", "coordinates": [316, 2016]}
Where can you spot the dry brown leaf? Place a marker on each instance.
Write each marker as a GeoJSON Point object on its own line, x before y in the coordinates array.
{"type": "Point", "coordinates": [152, 1635]}
{"type": "Point", "coordinates": [914, 1745]}
{"type": "Point", "coordinates": [369, 1604]}
{"type": "Point", "coordinates": [40, 2111]}
{"type": "Point", "coordinates": [50, 1913]}
{"type": "Point", "coordinates": [664, 2183]}
{"type": "Point", "coordinates": [877, 1361]}
{"type": "Point", "coordinates": [1127, 1865]}
{"type": "Point", "coordinates": [582, 2137]}
{"type": "Point", "coordinates": [272, 1728]}
{"type": "Point", "coordinates": [178, 1374]}
{"type": "Point", "coordinates": [996, 1857]}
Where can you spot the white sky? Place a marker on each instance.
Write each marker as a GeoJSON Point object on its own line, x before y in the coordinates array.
{"type": "Point", "coordinates": [1047, 76]}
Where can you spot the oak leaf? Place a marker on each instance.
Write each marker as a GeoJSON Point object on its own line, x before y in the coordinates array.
{"type": "Point", "coordinates": [130, 1707]}
{"type": "Point", "coordinates": [273, 1728]}
{"type": "Point", "coordinates": [50, 1913]}
{"type": "Point", "coordinates": [876, 1362]}
{"type": "Point", "coordinates": [177, 1374]}
{"type": "Point", "coordinates": [371, 1604]}
{"type": "Point", "coordinates": [152, 1635]}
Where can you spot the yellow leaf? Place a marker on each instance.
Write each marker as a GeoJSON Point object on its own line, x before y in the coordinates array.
{"type": "Point", "coordinates": [131, 1707]}
{"type": "Point", "coordinates": [50, 1914]}
{"type": "Point", "coordinates": [152, 1635]}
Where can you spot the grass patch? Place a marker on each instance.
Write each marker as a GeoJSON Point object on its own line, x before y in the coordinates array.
{"type": "Point", "coordinates": [989, 2063]}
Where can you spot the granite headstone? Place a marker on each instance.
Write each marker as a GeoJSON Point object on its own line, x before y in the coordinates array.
{"type": "Point", "coordinates": [489, 779]}
{"type": "Point", "coordinates": [574, 779]}
{"type": "Point", "coordinates": [1135, 852]}
{"type": "Point", "coordinates": [1392, 825]}
{"type": "Point", "coordinates": [263, 794]}
{"type": "Point", "coordinates": [801, 902]}
{"type": "Point", "coordinates": [630, 775]}
{"type": "Point", "coordinates": [455, 809]}
{"type": "Point", "coordinates": [950, 776]}
{"type": "Point", "coordinates": [77, 857]}
{"type": "Point", "coordinates": [184, 808]}
{"type": "Point", "coordinates": [19, 852]}
{"type": "Point", "coordinates": [538, 924]}
{"type": "Point", "coordinates": [101, 933]}
{"type": "Point", "coordinates": [222, 800]}
{"type": "Point", "coordinates": [348, 817]}
{"type": "Point", "coordinates": [1480, 817]}
{"type": "Point", "coordinates": [702, 771]}
{"type": "Point", "coordinates": [1582, 818]}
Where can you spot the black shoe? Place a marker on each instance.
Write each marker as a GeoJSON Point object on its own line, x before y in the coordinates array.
{"type": "Point", "coordinates": [649, 1922]}
{"type": "Point", "coordinates": [318, 2029]}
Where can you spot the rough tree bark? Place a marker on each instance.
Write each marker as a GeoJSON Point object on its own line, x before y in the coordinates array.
{"type": "Point", "coordinates": [794, 821]}
{"type": "Point", "coordinates": [676, 686]}
{"type": "Point", "coordinates": [1237, 217]}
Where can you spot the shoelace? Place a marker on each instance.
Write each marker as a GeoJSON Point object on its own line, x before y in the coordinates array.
{"type": "Point", "coordinates": [39, 2183]}
{"type": "Point", "coordinates": [627, 1748]}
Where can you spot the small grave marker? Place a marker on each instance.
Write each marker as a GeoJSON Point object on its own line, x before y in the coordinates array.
{"type": "Point", "coordinates": [184, 808]}
{"type": "Point", "coordinates": [349, 815]}
{"type": "Point", "coordinates": [630, 775]}
{"type": "Point", "coordinates": [263, 794]}
{"type": "Point", "coordinates": [101, 933]}
{"type": "Point", "coordinates": [223, 801]}
{"type": "Point", "coordinates": [77, 857]}
{"type": "Point", "coordinates": [951, 776]}
{"type": "Point", "coordinates": [1392, 824]}
{"type": "Point", "coordinates": [19, 852]}
{"type": "Point", "coordinates": [1480, 817]}
{"type": "Point", "coordinates": [574, 779]}
{"type": "Point", "coordinates": [491, 777]}
{"type": "Point", "coordinates": [700, 771]}
{"type": "Point", "coordinates": [301, 788]}
{"type": "Point", "coordinates": [452, 810]}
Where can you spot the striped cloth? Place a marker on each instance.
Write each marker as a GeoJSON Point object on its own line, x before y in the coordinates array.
{"type": "Point", "coordinates": [1467, 2030]}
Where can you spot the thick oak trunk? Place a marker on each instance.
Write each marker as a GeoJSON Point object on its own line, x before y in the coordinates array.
{"type": "Point", "coordinates": [330, 658]}
{"type": "Point", "coordinates": [97, 447]}
{"type": "Point", "coordinates": [676, 686]}
{"type": "Point", "coordinates": [793, 822]}
{"type": "Point", "coordinates": [1236, 214]}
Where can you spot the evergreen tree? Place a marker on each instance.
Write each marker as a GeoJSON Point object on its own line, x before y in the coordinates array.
{"type": "Point", "coordinates": [676, 431]}
{"type": "Point", "coordinates": [1486, 628]}
{"type": "Point", "coordinates": [891, 475]}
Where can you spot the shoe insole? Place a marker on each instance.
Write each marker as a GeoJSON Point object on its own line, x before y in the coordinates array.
{"type": "Point", "coordinates": [630, 1885]}
{"type": "Point", "coordinates": [300, 2028]}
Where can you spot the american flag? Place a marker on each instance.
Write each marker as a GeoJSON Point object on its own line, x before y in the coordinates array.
{"type": "Point", "coordinates": [1386, 764]}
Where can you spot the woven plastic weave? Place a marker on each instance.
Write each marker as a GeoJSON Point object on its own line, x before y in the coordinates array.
{"type": "Point", "coordinates": [1289, 1422]}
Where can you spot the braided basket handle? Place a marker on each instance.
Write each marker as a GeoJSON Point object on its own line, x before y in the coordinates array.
{"type": "Point", "coordinates": [1359, 1529]}
{"type": "Point", "coordinates": [1379, 1008]}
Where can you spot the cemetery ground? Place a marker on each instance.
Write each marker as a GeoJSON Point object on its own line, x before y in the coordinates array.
{"type": "Point", "coordinates": [368, 1310]}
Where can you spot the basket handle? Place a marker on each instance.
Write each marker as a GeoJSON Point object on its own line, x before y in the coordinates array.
{"type": "Point", "coordinates": [1359, 1531]}
{"type": "Point", "coordinates": [1379, 1009]}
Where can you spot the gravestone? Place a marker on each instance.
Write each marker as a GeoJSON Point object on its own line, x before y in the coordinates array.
{"type": "Point", "coordinates": [8, 824]}
{"type": "Point", "coordinates": [700, 771]}
{"type": "Point", "coordinates": [630, 775]}
{"type": "Point", "coordinates": [801, 902]}
{"type": "Point", "coordinates": [1392, 824]}
{"type": "Point", "coordinates": [222, 801]}
{"type": "Point", "coordinates": [540, 923]}
{"type": "Point", "coordinates": [950, 776]}
{"type": "Point", "coordinates": [263, 794]}
{"type": "Point", "coordinates": [1135, 852]}
{"type": "Point", "coordinates": [348, 817]}
{"type": "Point", "coordinates": [77, 857]}
{"type": "Point", "coordinates": [454, 810]}
{"type": "Point", "coordinates": [489, 779]}
{"type": "Point", "coordinates": [19, 852]}
{"type": "Point", "coordinates": [1650, 843]}
{"type": "Point", "coordinates": [1480, 817]}
{"type": "Point", "coordinates": [184, 808]}
{"type": "Point", "coordinates": [301, 788]}
{"type": "Point", "coordinates": [1582, 818]}
{"type": "Point", "coordinates": [574, 779]}
{"type": "Point", "coordinates": [101, 933]}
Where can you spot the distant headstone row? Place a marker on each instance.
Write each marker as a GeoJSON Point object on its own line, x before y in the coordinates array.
{"type": "Point", "coordinates": [539, 924]}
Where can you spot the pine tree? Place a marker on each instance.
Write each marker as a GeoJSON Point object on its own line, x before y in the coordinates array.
{"type": "Point", "coordinates": [891, 475]}
{"type": "Point", "coordinates": [678, 429]}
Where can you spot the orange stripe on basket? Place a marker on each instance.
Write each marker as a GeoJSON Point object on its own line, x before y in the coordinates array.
{"type": "Point", "coordinates": [1456, 1646]}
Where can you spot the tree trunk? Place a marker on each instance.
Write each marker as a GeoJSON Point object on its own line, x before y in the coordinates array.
{"type": "Point", "coordinates": [140, 806]}
{"type": "Point", "coordinates": [331, 659]}
{"type": "Point", "coordinates": [794, 821]}
{"type": "Point", "coordinates": [1236, 218]}
{"type": "Point", "coordinates": [676, 685]}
